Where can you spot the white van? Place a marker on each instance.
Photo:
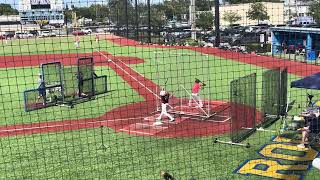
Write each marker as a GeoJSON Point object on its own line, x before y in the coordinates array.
{"type": "Point", "coordinates": [23, 35]}
{"type": "Point", "coordinates": [47, 34]}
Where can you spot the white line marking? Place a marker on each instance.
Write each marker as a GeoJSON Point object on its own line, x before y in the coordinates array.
{"type": "Point", "coordinates": [220, 121]}
{"type": "Point", "coordinates": [130, 75]}
{"type": "Point", "coordinates": [195, 101]}
{"type": "Point", "coordinates": [138, 132]}
{"type": "Point", "coordinates": [63, 125]}
{"type": "Point", "coordinates": [144, 124]}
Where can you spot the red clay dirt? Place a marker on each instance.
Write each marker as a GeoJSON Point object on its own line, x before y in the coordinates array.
{"type": "Point", "coordinates": [65, 59]}
{"type": "Point", "coordinates": [296, 68]}
{"type": "Point", "coordinates": [138, 118]}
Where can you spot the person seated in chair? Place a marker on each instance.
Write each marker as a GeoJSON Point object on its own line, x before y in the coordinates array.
{"type": "Point", "coordinates": [312, 125]}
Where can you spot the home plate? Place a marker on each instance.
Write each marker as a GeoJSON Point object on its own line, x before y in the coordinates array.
{"type": "Point", "coordinates": [165, 120]}
{"type": "Point", "coordinates": [144, 128]}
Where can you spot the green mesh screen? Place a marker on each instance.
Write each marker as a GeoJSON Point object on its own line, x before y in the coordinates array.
{"type": "Point", "coordinates": [85, 67]}
{"type": "Point", "coordinates": [52, 73]}
{"type": "Point", "coordinates": [243, 107]}
{"type": "Point", "coordinates": [271, 94]}
{"type": "Point", "coordinates": [100, 85]}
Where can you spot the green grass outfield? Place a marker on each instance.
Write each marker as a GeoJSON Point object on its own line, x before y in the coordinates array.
{"type": "Point", "coordinates": [76, 154]}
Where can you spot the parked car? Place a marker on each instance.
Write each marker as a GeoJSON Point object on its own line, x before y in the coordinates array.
{"type": "Point", "coordinates": [23, 35]}
{"type": "Point", "coordinates": [245, 38]}
{"type": "Point", "coordinates": [34, 32]}
{"type": "Point", "coordinates": [303, 20]}
{"type": "Point", "coordinates": [47, 34]}
{"type": "Point", "coordinates": [78, 33]}
{"type": "Point", "coordinates": [9, 35]}
{"type": "Point", "coordinates": [86, 30]}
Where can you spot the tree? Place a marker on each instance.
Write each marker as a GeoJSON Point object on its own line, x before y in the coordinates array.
{"type": "Point", "coordinates": [250, 1]}
{"type": "Point", "coordinates": [175, 8]}
{"type": "Point", "coordinates": [6, 9]}
{"type": "Point", "coordinates": [204, 5]}
{"type": "Point", "coordinates": [121, 11]}
{"type": "Point", "coordinates": [315, 10]}
{"type": "Point", "coordinates": [231, 17]}
{"type": "Point", "coordinates": [98, 12]}
{"type": "Point", "coordinates": [258, 12]}
{"type": "Point", "coordinates": [205, 20]}
{"type": "Point", "coordinates": [157, 15]}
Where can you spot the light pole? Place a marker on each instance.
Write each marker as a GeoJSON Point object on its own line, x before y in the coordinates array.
{"type": "Point", "coordinates": [149, 22]}
{"type": "Point", "coordinates": [192, 14]}
{"type": "Point", "coordinates": [136, 19]}
{"type": "Point", "coordinates": [217, 22]}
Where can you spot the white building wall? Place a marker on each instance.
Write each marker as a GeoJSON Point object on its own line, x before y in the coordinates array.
{"type": "Point", "coordinates": [275, 12]}
{"type": "Point", "coordinates": [295, 8]}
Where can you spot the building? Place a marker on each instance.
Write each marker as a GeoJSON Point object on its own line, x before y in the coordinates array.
{"type": "Point", "coordinates": [275, 11]}
{"type": "Point", "coordinates": [296, 40]}
{"type": "Point", "coordinates": [297, 8]}
{"type": "Point", "coordinates": [11, 24]}
{"type": "Point", "coordinates": [31, 11]}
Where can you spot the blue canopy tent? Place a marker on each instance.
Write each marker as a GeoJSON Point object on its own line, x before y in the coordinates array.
{"type": "Point", "coordinates": [309, 82]}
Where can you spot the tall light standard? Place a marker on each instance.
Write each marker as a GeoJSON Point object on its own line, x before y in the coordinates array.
{"type": "Point", "coordinates": [149, 21]}
{"type": "Point", "coordinates": [192, 15]}
{"type": "Point", "coordinates": [217, 22]}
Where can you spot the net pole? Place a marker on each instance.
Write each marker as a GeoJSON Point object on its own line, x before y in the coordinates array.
{"type": "Point", "coordinates": [208, 89]}
{"type": "Point", "coordinates": [195, 101]}
{"type": "Point", "coordinates": [157, 75]}
{"type": "Point", "coordinates": [181, 95]}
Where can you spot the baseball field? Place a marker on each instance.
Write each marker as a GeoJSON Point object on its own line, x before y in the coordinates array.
{"type": "Point", "coordinates": [112, 136]}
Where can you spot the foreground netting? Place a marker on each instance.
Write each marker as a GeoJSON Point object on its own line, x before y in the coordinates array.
{"type": "Point", "coordinates": [93, 112]}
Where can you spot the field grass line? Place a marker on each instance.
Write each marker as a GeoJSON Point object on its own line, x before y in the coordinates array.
{"type": "Point", "coordinates": [130, 74]}
{"type": "Point", "coordinates": [137, 132]}
{"type": "Point", "coordinates": [64, 125]}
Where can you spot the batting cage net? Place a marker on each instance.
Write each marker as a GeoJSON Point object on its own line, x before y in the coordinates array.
{"type": "Point", "coordinates": [85, 76]}
{"type": "Point", "coordinates": [243, 107]}
{"type": "Point", "coordinates": [52, 75]}
{"type": "Point", "coordinates": [274, 95]}
{"type": "Point", "coordinates": [100, 85]}
{"type": "Point", "coordinates": [159, 89]}
{"type": "Point", "coordinates": [284, 106]}
{"type": "Point", "coordinates": [271, 94]}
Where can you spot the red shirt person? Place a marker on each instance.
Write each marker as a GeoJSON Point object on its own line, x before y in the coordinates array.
{"type": "Point", "coordinates": [195, 97]}
{"type": "Point", "coordinates": [97, 37]}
